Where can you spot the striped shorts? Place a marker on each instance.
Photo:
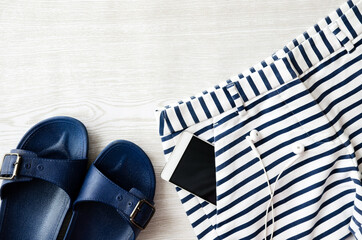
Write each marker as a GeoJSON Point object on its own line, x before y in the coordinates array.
{"type": "Point", "coordinates": [288, 139]}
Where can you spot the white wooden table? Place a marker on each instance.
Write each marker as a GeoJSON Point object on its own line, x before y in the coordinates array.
{"type": "Point", "coordinates": [110, 63]}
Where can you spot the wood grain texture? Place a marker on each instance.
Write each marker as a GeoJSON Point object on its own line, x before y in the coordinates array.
{"type": "Point", "coordinates": [110, 63]}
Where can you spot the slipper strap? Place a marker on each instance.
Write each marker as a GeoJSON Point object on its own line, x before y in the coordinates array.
{"type": "Point", "coordinates": [66, 174]}
{"type": "Point", "coordinates": [98, 188]}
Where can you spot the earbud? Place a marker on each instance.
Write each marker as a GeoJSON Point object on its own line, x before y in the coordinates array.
{"type": "Point", "coordinates": [254, 135]}
{"type": "Point", "coordinates": [298, 148]}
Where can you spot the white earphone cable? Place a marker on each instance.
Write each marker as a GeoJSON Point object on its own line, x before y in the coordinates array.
{"type": "Point", "coordinates": [299, 148]}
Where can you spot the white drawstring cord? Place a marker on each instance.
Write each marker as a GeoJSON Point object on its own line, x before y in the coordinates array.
{"type": "Point", "coordinates": [254, 135]}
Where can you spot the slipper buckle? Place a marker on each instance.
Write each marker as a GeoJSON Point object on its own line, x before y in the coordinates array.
{"type": "Point", "coordinates": [16, 167]}
{"type": "Point", "coordinates": [137, 209]}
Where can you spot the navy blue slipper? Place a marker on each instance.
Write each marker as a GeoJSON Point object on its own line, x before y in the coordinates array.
{"type": "Point", "coordinates": [40, 179]}
{"type": "Point", "coordinates": [116, 199]}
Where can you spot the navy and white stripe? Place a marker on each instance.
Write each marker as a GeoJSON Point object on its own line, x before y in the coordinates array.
{"type": "Point", "coordinates": [308, 92]}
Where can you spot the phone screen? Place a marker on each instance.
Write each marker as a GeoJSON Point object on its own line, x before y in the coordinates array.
{"type": "Point", "coordinates": [195, 171]}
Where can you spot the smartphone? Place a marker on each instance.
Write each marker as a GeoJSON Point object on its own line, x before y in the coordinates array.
{"type": "Point", "coordinates": [191, 166]}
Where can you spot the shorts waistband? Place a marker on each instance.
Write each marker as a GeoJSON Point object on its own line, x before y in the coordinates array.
{"type": "Point", "coordinates": [339, 30]}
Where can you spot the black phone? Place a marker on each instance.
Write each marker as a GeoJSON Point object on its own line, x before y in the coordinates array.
{"type": "Point", "coordinates": [191, 166]}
